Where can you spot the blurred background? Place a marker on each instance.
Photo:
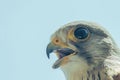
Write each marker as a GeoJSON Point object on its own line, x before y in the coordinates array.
{"type": "Point", "coordinates": [26, 27]}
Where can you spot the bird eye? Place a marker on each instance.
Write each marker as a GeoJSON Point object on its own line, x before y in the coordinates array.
{"type": "Point", "coordinates": [81, 33]}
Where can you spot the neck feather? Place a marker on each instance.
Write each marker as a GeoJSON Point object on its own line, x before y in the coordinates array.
{"type": "Point", "coordinates": [87, 75]}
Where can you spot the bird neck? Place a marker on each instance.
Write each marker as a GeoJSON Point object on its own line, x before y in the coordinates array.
{"type": "Point", "coordinates": [87, 75]}
{"type": "Point", "coordinates": [82, 71]}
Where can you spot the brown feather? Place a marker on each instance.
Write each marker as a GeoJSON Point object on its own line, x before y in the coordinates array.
{"type": "Point", "coordinates": [116, 77]}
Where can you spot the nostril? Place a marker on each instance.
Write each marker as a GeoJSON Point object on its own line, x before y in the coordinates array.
{"type": "Point", "coordinates": [56, 40]}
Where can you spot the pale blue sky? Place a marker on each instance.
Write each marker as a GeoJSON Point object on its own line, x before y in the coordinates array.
{"type": "Point", "coordinates": [26, 26]}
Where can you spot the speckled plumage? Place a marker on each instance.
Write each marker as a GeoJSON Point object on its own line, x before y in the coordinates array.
{"type": "Point", "coordinates": [94, 58]}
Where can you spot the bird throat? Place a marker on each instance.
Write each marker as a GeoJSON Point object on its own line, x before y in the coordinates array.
{"type": "Point", "coordinates": [86, 75]}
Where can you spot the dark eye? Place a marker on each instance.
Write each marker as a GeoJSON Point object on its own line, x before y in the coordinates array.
{"type": "Point", "coordinates": [81, 33]}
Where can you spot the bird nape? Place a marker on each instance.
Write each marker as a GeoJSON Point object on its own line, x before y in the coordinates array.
{"type": "Point", "coordinates": [85, 51]}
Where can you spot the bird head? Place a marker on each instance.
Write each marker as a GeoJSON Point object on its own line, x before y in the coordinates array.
{"type": "Point", "coordinates": [80, 46]}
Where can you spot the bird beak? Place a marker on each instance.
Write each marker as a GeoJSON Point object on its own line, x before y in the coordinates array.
{"type": "Point", "coordinates": [50, 48]}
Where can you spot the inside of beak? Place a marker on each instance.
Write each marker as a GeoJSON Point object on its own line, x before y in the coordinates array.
{"type": "Point", "coordinates": [64, 52]}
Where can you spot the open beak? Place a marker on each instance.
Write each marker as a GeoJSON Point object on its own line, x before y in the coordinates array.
{"type": "Point", "coordinates": [51, 48]}
{"type": "Point", "coordinates": [62, 52]}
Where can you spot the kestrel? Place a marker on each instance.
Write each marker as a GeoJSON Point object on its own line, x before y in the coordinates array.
{"type": "Point", "coordinates": [85, 51]}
